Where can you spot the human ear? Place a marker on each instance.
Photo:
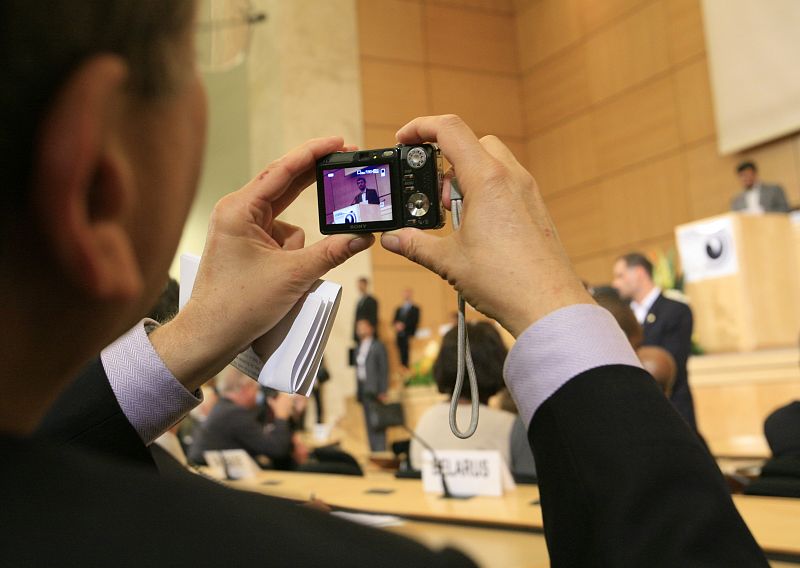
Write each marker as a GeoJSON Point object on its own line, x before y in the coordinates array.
{"type": "Point", "coordinates": [82, 188]}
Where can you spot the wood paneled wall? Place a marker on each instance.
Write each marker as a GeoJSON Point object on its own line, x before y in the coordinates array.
{"type": "Point", "coordinates": [432, 57]}
{"type": "Point", "coordinates": [619, 125]}
{"type": "Point", "coordinates": [607, 102]}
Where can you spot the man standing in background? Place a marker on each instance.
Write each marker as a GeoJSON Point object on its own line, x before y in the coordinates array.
{"type": "Point", "coordinates": [372, 374]}
{"type": "Point", "coordinates": [366, 308]}
{"type": "Point", "coordinates": [406, 319]}
{"type": "Point", "coordinates": [666, 323]}
{"type": "Point", "coordinates": [757, 197]}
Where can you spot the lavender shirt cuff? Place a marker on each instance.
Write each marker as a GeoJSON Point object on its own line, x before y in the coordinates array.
{"type": "Point", "coordinates": [561, 346]}
{"type": "Point", "coordinates": [150, 396]}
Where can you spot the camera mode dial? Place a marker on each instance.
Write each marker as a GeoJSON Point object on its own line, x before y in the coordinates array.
{"type": "Point", "coordinates": [416, 157]}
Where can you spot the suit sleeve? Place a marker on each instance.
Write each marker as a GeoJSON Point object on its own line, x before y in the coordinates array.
{"type": "Point", "coordinates": [781, 204]}
{"type": "Point", "coordinates": [677, 338]}
{"type": "Point", "coordinates": [624, 482]}
{"type": "Point", "coordinates": [87, 414]}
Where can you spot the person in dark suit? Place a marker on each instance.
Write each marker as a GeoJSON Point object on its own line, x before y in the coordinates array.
{"type": "Point", "coordinates": [780, 475]}
{"type": "Point", "coordinates": [757, 197]}
{"type": "Point", "coordinates": [372, 374]}
{"type": "Point", "coordinates": [366, 307]}
{"type": "Point", "coordinates": [406, 320]}
{"type": "Point", "coordinates": [233, 423]}
{"type": "Point", "coordinates": [666, 323]}
{"type": "Point", "coordinates": [103, 136]}
{"type": "Point", "coordinates": [365, 195]}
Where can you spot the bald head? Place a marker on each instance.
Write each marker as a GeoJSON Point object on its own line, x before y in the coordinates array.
{"type": "Point", "coordinates": [659, 363]}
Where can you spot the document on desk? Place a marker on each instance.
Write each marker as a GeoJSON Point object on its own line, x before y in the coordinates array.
{"type": "Point", "coordinates": [369, 519]}
{"type": "Point", "coordinates": [287, 358]}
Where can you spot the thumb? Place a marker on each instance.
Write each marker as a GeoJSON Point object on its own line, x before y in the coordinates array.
{"type": "Point", "coordinates": [423, 248]}
{"type": "Point", "coordinates": [332, 251]}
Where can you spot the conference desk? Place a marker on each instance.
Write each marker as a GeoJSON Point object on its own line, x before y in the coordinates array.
{"type": "Point", "coordinates": [775, 522]}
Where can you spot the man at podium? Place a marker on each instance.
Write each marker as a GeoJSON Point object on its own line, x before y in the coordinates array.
{"type": "Point", "coordinates": [666, 323]}
{"type": "Point", "coordinates": [365, 195]}
{"type": "Point", "coordinates": [757, 197]}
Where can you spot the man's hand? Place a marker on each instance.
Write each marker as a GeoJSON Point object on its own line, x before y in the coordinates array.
{"type": "Point", "coordinates": [253, 270]}
{"type": "Point", "coordinates": [506, 259]}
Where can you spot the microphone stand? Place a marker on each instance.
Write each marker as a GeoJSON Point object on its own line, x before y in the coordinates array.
{"type": "Point", "coordinates": [437, 464]}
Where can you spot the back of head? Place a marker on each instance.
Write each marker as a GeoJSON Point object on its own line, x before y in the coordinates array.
{"type": "Point", "coordinates": [231, 381]}
{"type": "Point", "coordinates": [608, 298]}
{"type": "Point", "coordinates": [782, 430]}
{"type": "Point", "coordinates": [659, 362]}
{"type": "Point", "coordinates": [41, 43]}
{"type": "Point", "coordinates": [488, 354]}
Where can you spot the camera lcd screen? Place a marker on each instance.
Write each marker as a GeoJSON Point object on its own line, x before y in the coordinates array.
{"type": "Point", "coordinates": [357, 194]}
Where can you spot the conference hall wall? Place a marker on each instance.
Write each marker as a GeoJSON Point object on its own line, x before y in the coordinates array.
{"type": "Point", "coordinates": [608, 103]}
{"type": "Point", "coordinates": [430, 58]}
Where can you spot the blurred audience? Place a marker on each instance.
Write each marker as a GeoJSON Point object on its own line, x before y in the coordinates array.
{"type": "Point", "coordinates": [366, 308]}
{"type": "Point", "coordinates": [780, 476]}
{"type": "Point", "coordinates": [233, 422]}
{"type": "Point", "coordinates": [496, 427]}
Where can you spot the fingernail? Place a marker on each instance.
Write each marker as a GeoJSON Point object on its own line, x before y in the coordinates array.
{"type": "Point", "coordinates": [390, 242]}
{"type": "Point", "coordinates": [360, 242]}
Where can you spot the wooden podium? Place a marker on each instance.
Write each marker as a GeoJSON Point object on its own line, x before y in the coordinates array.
{"type": "Point", "coordinates": [742, 280]}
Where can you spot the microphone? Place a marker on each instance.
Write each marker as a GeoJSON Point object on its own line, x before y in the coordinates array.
{"type": "Point", "coordinates": [437, 464]}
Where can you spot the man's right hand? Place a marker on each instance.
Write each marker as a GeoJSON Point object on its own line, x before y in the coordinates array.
{"type": "Point", "coordinates": [506, 259]}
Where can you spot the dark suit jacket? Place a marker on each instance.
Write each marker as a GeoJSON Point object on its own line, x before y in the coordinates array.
{"type": "Point", "coordinates": [377, 369]}
{"type": "Point", "coordinates": [772, 200]}
{"type": "Point", "coordinates": [230, 427]}
{"type": "Point", "coordinates": [372, 197]}
{"type": "Point", "coordinates": [669, 325]}
{"type": "Point", "coordinates": [409, 318]}
{"type": "Point", "coordinates": [366, 308]}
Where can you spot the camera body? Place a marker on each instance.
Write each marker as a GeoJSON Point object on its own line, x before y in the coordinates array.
{"type": "Point", "coordinates": [380, 190]}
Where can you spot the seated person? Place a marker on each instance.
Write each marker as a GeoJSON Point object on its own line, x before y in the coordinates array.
{"type": "Point", "coordinates": [233, 422]}
{"type": "Point", "coordinates": [780, 476]}
{"type": "Point", "coordinates": [659, 362]}
{"type": "Point", "coordinates": [496, 426]}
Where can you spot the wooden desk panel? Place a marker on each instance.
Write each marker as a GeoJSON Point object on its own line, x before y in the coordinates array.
{"type": "Point", "coordinates": [775, 522]}
{"type": "Point", "coordinates": [518, 509]}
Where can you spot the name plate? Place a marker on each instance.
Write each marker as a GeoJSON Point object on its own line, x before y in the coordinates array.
{"type": "Point", "coordinates": [467, 472]}
{"type": "Point", "coordinates": [231, 464]}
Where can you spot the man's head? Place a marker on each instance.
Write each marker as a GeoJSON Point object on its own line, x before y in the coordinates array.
{"type": "Point", "coordinates": [364, 329]}
{"type": "Point", "coordinates": [748, 174]}
{"type": "Point", "coordinates": [633, 276]}
{"type": "Point", "coordinates": [661, 365]}
{"type": "Point", "coordinates": [361, 183]}
{"type": "Point", "coordinates": [238, 388]}
{"type": "Point", "coordinates": [363, 284]}
{"type": "Point", "coordinates": [408, 294]}
{"type": "Point", "coordinates": [102, 126]}
{"type": "Point", "coordinates": [609, 299]}
{"type": "Point", "coordinates": [488, 353]}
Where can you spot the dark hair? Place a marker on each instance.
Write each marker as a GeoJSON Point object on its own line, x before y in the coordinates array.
{"type": "Point", "coordinates": [41, 43]}
{"type": "Point", "coordinates": [608, 298]}
{"type": "Point", "coordinates": [167, 305]}
{"type": "Point", "coordinates": [638, 259]}
{"type": "Point", "coordinates": [488, 353]}
{"type": "Point", "coordinates": [747, 165]}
